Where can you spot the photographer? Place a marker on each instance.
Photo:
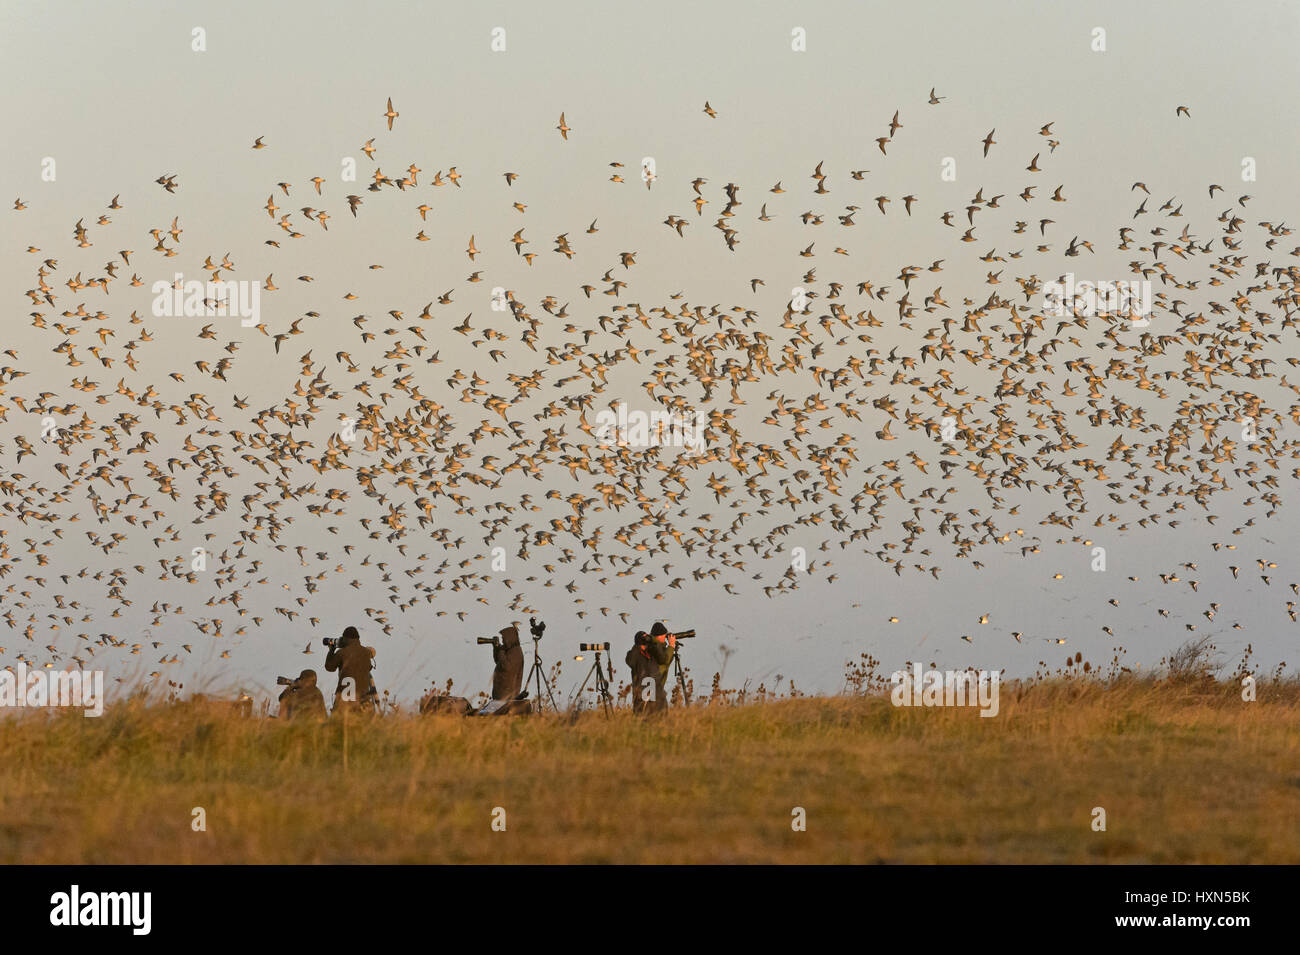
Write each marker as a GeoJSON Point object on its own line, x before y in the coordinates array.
{"type": "Point", "coordinates": [302, 698]}
{"type": "Point", "coordinates": [650, 657]}
{"type": "Point", "coordinates": [353, 660]}
{"type": "Point", "coordinates": [508, 677]}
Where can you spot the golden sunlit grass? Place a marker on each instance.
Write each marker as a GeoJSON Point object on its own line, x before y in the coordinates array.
{"type": "Point", "coordinates": [1186, 771]}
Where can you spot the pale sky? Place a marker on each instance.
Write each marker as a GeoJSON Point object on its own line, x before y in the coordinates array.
{"type": "Point", "coordinates": [114, 94]}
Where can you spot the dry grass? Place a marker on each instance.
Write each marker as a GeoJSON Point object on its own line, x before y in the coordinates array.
{"type": "Point", "coordinates": [1186, 771]}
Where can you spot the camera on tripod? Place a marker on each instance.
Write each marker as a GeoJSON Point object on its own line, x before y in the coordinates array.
{"type": "Point", "coordinates": [603, 693]}
{"type": "Point", "coordinates": [536, 628]}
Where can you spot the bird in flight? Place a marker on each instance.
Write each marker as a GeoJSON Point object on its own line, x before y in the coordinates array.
{"type": "Point", "coordinates": [473, 441]}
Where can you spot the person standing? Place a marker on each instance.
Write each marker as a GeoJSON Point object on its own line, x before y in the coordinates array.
{"type": "Point", "coordinates": [649, 659]}
{"type": "Point", "coordinates": [508, 676]}
{"type": "Point", "coordinates": [353, 661]}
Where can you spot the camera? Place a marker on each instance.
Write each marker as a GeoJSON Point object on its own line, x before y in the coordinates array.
{"type": "Point", "coordinates": [683, 634]}
{"type": "Point", "coordinates": [492, 640]}
{"type": "Point", "coordinates": [589, 647]}
{"type": "Point", "coordinates": [536, 628]}
{"type": "Point", "coordinates": [331, 642]}
{"type": "Point", "coordinates": [284, 681]}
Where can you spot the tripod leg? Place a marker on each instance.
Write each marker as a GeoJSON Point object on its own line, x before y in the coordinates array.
{"type": "Point", "coordinates": [541, 681]}
{"type": "Point", "coordinates": [602, 685]}
{"type": "Point", "coordinates": [541, 704]}
{"type": "Point", "coordinates": [535, 676]}
{"type": "Point", "coordinates": [578, 696]}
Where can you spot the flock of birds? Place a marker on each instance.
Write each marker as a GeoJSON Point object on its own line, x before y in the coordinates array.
{"type": "Point", "coordinates": [1104, 426]}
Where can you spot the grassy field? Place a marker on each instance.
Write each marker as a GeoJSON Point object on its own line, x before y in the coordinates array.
{"type": "Point", "coordinates": [1186, 771]}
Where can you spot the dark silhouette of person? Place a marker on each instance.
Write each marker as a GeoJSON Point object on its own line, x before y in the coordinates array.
{"type": "Point", "coordinates": [650, 657]}
{"type": "Point", "coordinates": [302, 698]}
{"type": "Point", "coordinates": [352, 660]}
{"type": "Point", "coordinates": [508, 677]}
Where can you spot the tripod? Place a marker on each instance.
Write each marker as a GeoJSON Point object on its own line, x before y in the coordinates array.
{"type": "Point", "coordinates": [677, 673]}
{"type": "Point", "coordinates": [602, 684]}
{"type": "Point", "coordinates": [535, 677]}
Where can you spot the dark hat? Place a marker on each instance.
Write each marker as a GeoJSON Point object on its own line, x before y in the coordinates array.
{"type": "Point", "coordinates": [658, 630]}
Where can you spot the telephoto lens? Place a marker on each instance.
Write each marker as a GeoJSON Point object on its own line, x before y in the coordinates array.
{"type": "Point", "coordinates": [283, 681]}
{"type": "Point", "coordinates": [589, 647]}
